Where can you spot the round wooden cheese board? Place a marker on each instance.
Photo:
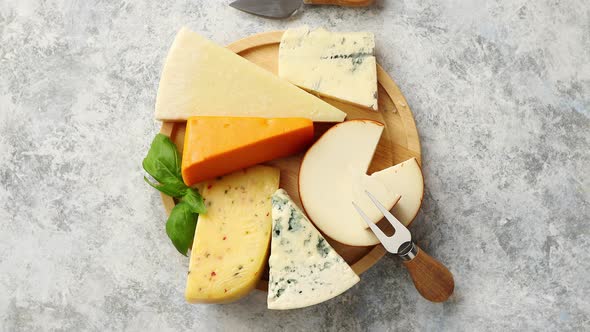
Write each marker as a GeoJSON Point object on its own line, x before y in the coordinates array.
{"type": "Point", "coordinates": [398, 143]}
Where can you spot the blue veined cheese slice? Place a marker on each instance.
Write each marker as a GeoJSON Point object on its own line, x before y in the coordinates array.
{"type": "Point", "coordinates": [339, 65]}
{"type": "Point", "coordinates": [304, 268]}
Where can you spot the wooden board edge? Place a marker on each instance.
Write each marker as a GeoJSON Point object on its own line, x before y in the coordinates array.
{"type": "Point", "coordinates": [401, 104]}
{"type": "Point", "coordinates": [166, 129]}
{"type": "Point", "coordinates": [256, 40]}
{"type": "Point", "coordinates": [369, 259]}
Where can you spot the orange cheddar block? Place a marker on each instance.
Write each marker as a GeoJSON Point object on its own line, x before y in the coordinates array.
{"type": "Point", "coordinates": [215, 146]}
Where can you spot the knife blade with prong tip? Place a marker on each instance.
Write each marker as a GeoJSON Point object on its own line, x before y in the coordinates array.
{"type": "Point", "coordinates": [286, 8]}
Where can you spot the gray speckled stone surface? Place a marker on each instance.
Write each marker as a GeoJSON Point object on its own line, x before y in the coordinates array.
{"type": "Point", "coordinates": [500, 91]}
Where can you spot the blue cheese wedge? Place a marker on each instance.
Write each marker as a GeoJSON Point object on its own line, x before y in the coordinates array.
{"type": "Point", "coordinates": [334, 64]}
{"type": "Point", "coordinates": [304, 268]}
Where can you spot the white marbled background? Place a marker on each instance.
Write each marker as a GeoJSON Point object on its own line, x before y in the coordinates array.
{"type": "Point", "coordinates": [500, 91]}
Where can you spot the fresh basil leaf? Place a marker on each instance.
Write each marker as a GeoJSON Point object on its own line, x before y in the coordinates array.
{"type": "Point", "coordinates": [163, 149]}
{"type": "Point", "coordinates": [194, 200]}
{"type": "Point", "coordinates": [172, 189]}
{"type": "Point", "coordinates": [180, 227]}
{"type": "Point", "coordinates": [163, 164]}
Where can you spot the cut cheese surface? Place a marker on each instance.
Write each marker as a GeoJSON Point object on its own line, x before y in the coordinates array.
{"type": "Point", "coordinates": [304, 268]}
{"type": "Point", "coordinates": [333, 175]}
{"type": "Point", "coordinates": [215, 146]}
{"type": "Point", "coordinates": [203, 78]}
{"type": "Point", "coordinates": [404, 179]}
{"type": "Point", "coordinates": [334, 64]}
{"type": "Point", "coordinates": [232, 238]}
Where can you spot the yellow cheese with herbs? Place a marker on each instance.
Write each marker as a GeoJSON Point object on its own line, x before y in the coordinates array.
{"type": "Point", "coordinates": [230, 247]}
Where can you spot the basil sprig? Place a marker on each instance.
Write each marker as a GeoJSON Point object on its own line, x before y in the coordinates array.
{"type": "Point", "coordinates": [163, 164]}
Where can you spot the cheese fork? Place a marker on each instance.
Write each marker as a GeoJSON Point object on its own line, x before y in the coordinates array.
{"type": "Point", "coordinates": [431, 278]}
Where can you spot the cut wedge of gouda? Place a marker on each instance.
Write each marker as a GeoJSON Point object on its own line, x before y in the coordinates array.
{"type": "Point", "coordinates": [203, 78]}
{"type": "Point", "coordinates": [333, 174]}
{"type": "Point", "coordinates": [231, 240]}
{"type": "Point", "coordinates": [215, 146]}
{"type": "Point", "coordinates": [404, 179]}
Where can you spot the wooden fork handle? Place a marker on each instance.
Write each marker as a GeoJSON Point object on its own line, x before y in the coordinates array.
{"type": "Point", "coordinates": [431, 278]}
{"type": "Point", "coordinates": [347, 3]}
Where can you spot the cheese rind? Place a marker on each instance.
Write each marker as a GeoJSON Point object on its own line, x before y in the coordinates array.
{"type": "Point", "coordinates": [304, 268]}
{"type": "Point", "coordinates": [216, 146]}
{"type": "Point", "coordinates": [334, 64]}
{"type": "Point", "coordinates": [203, 78]}
{"type": "Point", "coordinates": [231, 240]}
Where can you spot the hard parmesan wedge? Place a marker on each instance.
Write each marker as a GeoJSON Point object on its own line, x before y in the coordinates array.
{"type": "Point", "coordinates": [203, 78]}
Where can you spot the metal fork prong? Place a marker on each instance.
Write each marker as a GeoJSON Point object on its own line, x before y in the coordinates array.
{"type": "Point", "coordinates": [399, 228]}
{"type": "Point", "coordinates": [378, 232]}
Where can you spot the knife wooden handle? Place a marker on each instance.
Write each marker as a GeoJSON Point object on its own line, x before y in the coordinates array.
{"type": "Point", "coordinates": [346, 3]}
{"type": "Point", "coordinates": [431, 278]}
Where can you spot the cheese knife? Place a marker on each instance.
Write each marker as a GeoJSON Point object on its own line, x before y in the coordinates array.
{"type": "Point", "coordinates": [285, 8]}
{"type": "Point", "coordinates": [431, 278]}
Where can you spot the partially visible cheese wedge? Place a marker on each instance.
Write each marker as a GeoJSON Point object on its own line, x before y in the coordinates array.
{"type": "Point", "coordinates": [215, 146]}
{"type": "Point", "coordinates": [404, 179]}
{"type": "Point", "coordinates": [231, 240]}
{"type": "Point", "coordinates": [203, 78]}
{"type": "Point", "coordinates": [339, 65]}
{"type": "Point", "coordinates": [304, 269]}
{"type": "Point", "coordinates": [333, 173]}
